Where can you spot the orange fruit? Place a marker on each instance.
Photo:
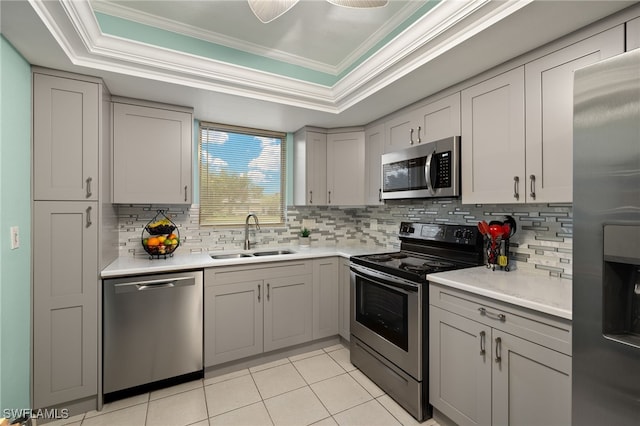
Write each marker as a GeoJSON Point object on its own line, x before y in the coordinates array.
{"type": "Point", "coordinates": [153, 241]}
{"type": "Point", "coordinates": [172, 237]}
{"type": "Point", "coordinates": [161, 238]}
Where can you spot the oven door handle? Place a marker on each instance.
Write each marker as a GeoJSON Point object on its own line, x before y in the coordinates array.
{"type": "Point", "coordinates": [386, 280]}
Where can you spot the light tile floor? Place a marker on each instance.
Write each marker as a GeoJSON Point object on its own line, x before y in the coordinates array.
{"type": "Point", "coordinates": [315, 388]}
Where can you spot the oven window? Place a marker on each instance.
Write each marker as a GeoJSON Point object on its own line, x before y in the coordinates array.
{"type": "Point", "coordinates": [404, 175]}
{"type": "Point", "coordinates": [383, 311]}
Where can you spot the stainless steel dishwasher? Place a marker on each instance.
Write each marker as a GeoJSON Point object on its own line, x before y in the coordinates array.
{"type": "Point", "coordinates": [152, 329]}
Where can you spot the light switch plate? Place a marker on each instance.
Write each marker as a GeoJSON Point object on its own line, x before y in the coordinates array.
{"type": "Point", "coordinates": [15, 237]}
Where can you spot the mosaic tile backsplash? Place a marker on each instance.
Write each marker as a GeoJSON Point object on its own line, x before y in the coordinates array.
{"type": "Point", "coordinates": [543, 241]}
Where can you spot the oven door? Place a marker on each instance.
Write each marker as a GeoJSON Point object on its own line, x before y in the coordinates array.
{"type": "Point", "coordinates": [386, 314]}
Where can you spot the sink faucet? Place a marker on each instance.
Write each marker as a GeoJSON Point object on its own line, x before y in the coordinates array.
{"type": "Point", "coordinates": [247, 243]}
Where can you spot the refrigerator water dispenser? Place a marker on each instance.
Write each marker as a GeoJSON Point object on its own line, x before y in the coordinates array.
{"type": "Point", "coordinates": [621, 284]}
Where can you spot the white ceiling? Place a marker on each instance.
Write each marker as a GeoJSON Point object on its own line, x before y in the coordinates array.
{"type": "Point", "coordinates": [471, 36]}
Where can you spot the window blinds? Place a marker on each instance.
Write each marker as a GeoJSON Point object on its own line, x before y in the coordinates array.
{"type": "Point", "coordinates": [242, 171]}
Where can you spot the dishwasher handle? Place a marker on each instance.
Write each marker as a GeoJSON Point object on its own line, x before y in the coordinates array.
{"type": "Point", "coordinates": [129, 287]}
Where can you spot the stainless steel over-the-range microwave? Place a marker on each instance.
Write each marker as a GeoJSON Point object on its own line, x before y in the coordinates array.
{"type": "Point", "coordinates": [430, 169]}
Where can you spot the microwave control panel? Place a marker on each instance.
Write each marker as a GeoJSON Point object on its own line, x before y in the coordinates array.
{"type": "Point", "coordinates": [441, 176]}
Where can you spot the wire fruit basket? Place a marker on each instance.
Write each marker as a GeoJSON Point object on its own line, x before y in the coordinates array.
{"type": "Point", "coordinates": [160, 236]}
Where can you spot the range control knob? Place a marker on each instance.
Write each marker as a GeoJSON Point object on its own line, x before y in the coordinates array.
{"type": "Point", "coordinates": [458, 233]}
{"type": "Point", "coordinates": [468, 234]}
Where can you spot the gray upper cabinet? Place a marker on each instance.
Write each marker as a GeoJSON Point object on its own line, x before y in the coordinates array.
{"type": "Point", "coordinates": [310, 168]}
{"type": "Point", "coordinates": [152, 153]}
{"type": "Point", "coordinates": [633, 34]}
{"type": "Point", "coordinates": [65, 313]}
{"type": "Point", "coordinates": [345, 169]}
{"type": "Point", "coordinates": [65, 138]}
{"type": "Point", "coordinates": [440, 119]}
{"type": "Point", "coordinates": [549, 111]}
{"type": "Point", "coordinates": [436, 120]}
{"type": "Point", "coordinates": [493, 139]}
{"type": "Point", "coordinates": [374, 147]}
{"type": "Point", "coordinates": [507, 159]}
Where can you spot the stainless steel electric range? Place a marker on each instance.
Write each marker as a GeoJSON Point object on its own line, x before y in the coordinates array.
{"type": "Point", "coordinates": [390, 307]}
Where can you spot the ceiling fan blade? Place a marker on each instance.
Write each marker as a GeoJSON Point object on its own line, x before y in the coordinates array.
{"type": "Point", "coordinates": [268, 10]}
{"type": "Point", "coordinates": [359, 3]}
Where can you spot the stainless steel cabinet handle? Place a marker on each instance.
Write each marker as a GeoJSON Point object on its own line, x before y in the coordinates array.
{"type": "Point", "coordinates": [310, 197]}
{"type": "Point", "coordinates": [259, 292]}
{"type": "Point", "coordinates": [329, 197]}
{"type": "Point", "coordinates": [411, 136]}
{"type": "Point", "coordinates": [483, 343]}
{"type": "Point", "coordinates": [185, 193]}
{"type": "Point", "coordinates": [89, 223]}
{"type": "Point", "coordinates": [380, 195]}
{"type": "Point", "coordinates": [516, 193]}
{"type": "Point", "coordinates": [533, 186]}
{"type": "Point", "coordinates": [89, 192]}
{"type": "Point", "coordinates": [500, 317]}
{"type": "Point", "coordinates": [268, 290]}
{"type": "Point", "coordinates": [498, 350]}
{"type": "Point", "coordinates": [419, 129]}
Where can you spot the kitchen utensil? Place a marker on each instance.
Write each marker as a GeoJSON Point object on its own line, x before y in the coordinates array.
{"type": "Point", "coordinates": [509, 220]}
{"type": "Point", "coordinates": [483, 226]}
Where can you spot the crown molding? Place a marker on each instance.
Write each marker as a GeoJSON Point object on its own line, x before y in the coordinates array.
{"type": "Point", "coordinates": [75, 28]}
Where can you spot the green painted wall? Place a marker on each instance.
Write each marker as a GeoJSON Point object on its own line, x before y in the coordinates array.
{"type": "Point", "coordinates": [15, 210]}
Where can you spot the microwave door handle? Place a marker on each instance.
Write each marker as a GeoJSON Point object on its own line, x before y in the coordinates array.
{"type": "Point", "coordinates": [427, 172]}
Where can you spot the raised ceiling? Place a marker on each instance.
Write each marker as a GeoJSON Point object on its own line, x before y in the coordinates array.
{"type": "Point", "coordinates": [318, 64]}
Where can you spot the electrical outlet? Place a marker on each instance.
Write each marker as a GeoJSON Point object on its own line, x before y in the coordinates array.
{"type": "Point", "coordinates": [15, 237]}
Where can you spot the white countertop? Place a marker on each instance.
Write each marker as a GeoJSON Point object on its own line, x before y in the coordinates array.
{"type": "Point", "coordinates": [523, 288]}
{"type": "Point", "coordinates": [130, 265]}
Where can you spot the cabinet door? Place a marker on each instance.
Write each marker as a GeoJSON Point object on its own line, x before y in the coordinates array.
{"type": "Point", "coordinates": [310, 169]}
{"type": "Point", "coordinates": [373, 149]}
{"type": "Point", "coordinates": [493, 140]}
{"type": "Point", "coordinates": [401, 132]}
{"type": "Point", "coordinates": [549, 108]}
{"type": "Point", "coordinates": [325, 297]}
{"type": "Point", "coordinates": [633, 34]}
{"type": "Point", "coordinates": [288, 311]}
{"type": "Point", "coordinates": [232, 321]}
{"type": "Point", "coordinates": [459, 367]}
{"type": "Point", "coordinates": [65, 138]}
{"type": "Point", "coordinates": [345, 169]}
{"type": "Point", "coordinates": [440, 119]}
{"type": "Point", "coordinates": [344, 298]}
{"type": "Point", "coordinates": [65, 311]}
{"type": "Point", "coordinates": [152, 155]}
{"type": "Point", "coordinates": [531, 384]}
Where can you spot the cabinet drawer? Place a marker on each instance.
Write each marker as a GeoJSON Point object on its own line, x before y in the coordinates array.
{"type": "Point", "coordinates": [546, 330]}
{"type": "Point", "coordinates": [250, 272]}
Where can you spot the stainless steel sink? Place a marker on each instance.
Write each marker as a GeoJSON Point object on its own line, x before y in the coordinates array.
{"type": "Point", "coordinates": [272, 252]}
{"type": "Point", "coordinates": [231, 256]}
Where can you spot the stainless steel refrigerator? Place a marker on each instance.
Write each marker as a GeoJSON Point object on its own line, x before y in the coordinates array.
{"type": "Point", "coordinates": [606, 243]}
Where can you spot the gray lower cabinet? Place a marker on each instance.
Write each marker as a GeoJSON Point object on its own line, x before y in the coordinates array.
{"type": "Point", "coordinates": [253, 309]}
{"type": "Point", "coordinates": [496, 364]}
{"type": "Point", "coordinates": [288, 311]}
{"type": "Point", "coordinates": [65, 294]}
{"type": "Point", "coordinates": [344, 299]}
{"type": "Point", "coordinates": [326, 290]}
{"type": "Point", "coordinates": [233, 321]}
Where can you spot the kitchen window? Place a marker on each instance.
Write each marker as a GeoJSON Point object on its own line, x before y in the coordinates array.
{"type": "Point", "coordinates": [242, 171]}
